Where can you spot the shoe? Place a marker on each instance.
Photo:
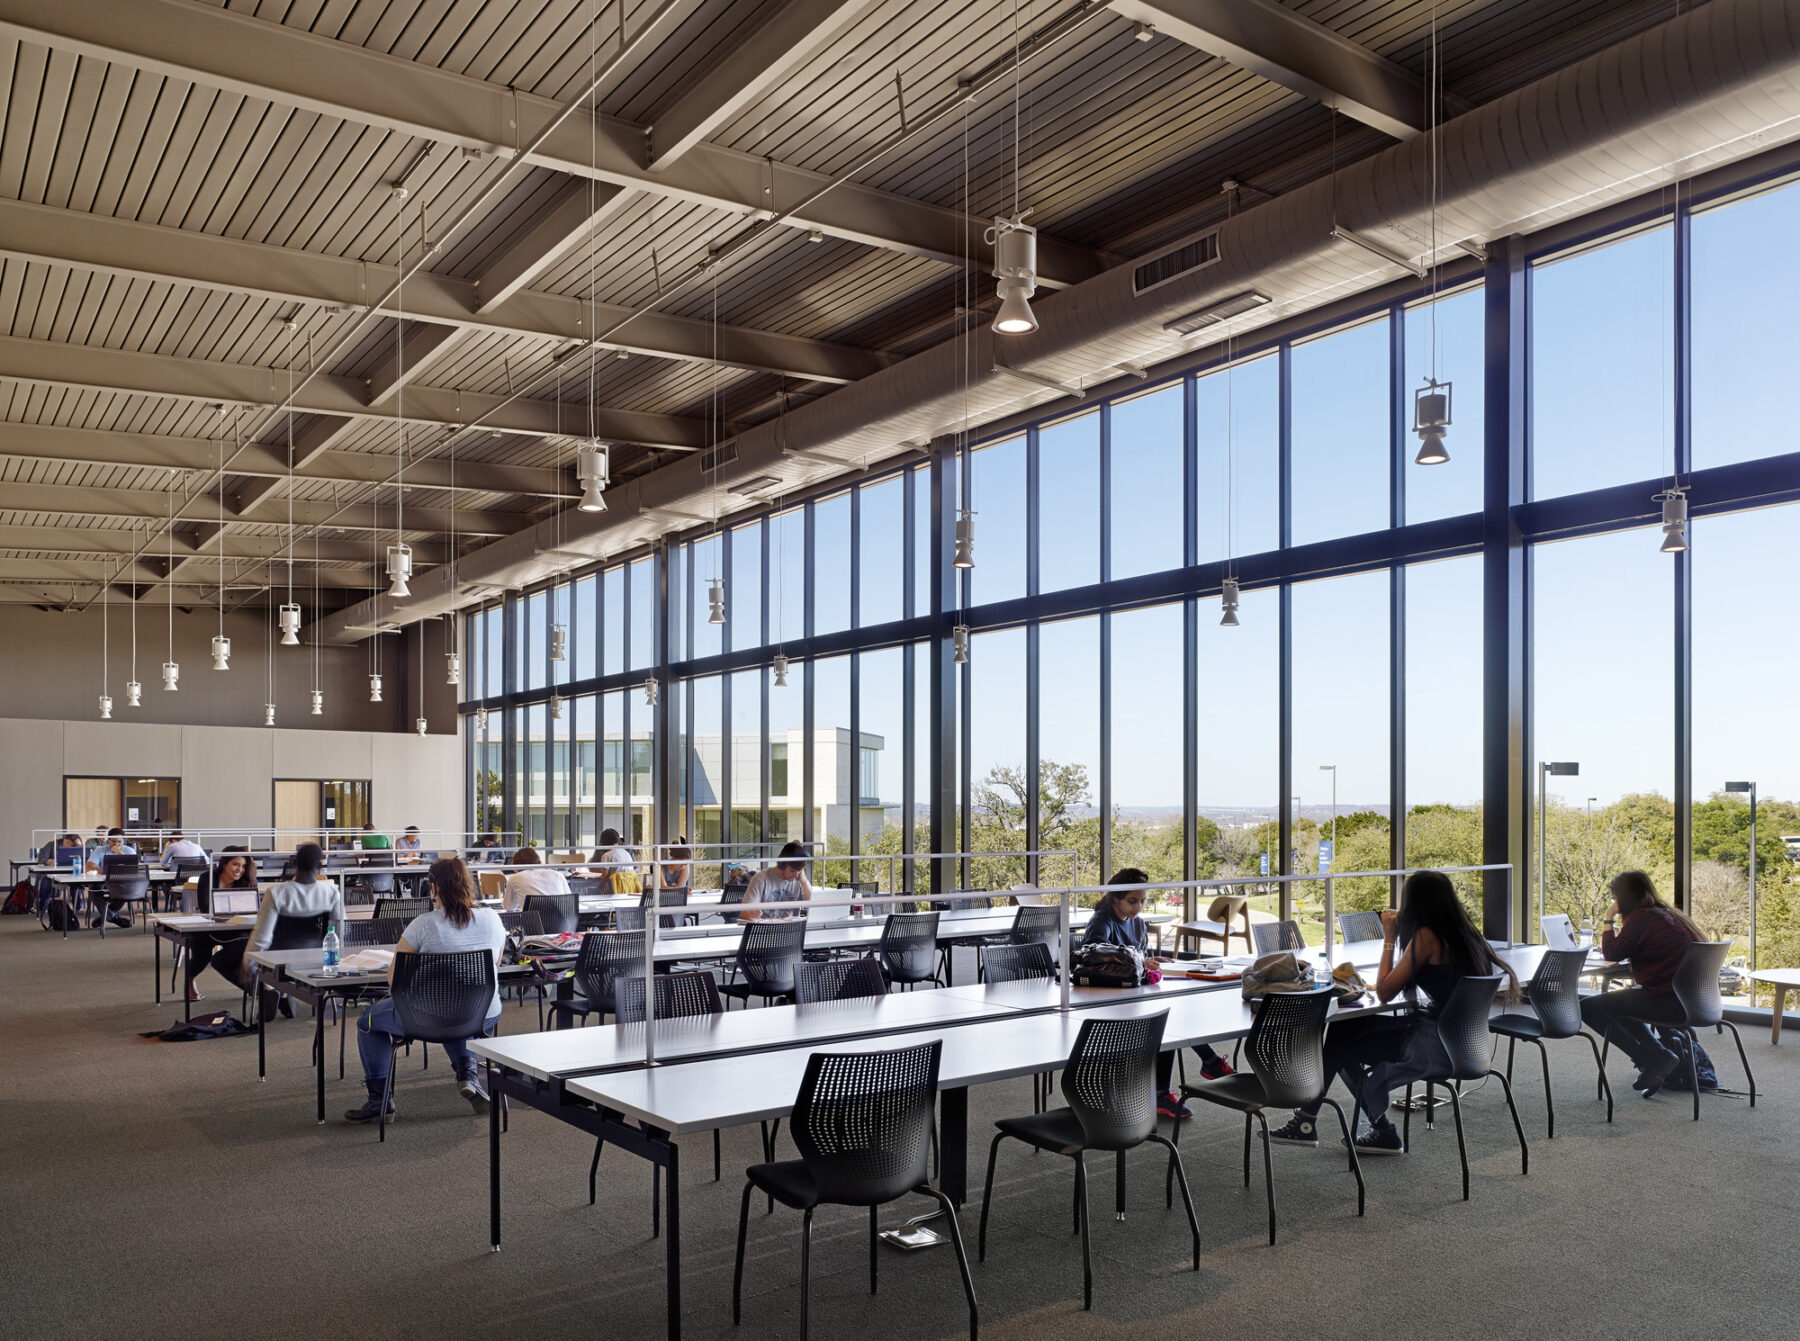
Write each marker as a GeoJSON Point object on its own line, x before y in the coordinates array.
{"type": "Point", "coordinates": [1298, 1131]}
{"type": "Point", "coordinates": [1170, 1106]}
{"type": "Point", "coordinates": [286, 1007]}
{"type": "Point", "coordinates": [121, 921]}
{"type": "Point", "coordinates": [193, 994]}
{"type": "Point", "coordinates": [94, 925]}
{"type": "Point", "coordinates": [1382, 1140]}
{"type": "Point", "coordinates": [1216, 1067]}
{"type": "Point", "coordinates": [470, 1088]}
{"type": "Point", "coordinates": [371, 1110]}
{"type": "Point", "coordinates": [1650, 1080]}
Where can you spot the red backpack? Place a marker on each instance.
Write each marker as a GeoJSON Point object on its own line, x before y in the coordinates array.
{"type": "Point", "coordinates": [19, 901]}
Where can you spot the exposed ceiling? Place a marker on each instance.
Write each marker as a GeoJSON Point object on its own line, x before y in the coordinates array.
{"type": "Point", "coordinates": [776, 200]}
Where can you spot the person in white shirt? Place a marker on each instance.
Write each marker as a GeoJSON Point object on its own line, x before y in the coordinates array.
{"type": "Point", "coordinates": [182, 849]}
{"type": "Point", "coordinates": [304, 896]}
{"type": "Point", "coordinates": [783, 883]}
{"type": "Point", "coordinates": [541, 880]}
{"type": "Point", "coordinates": [453, 924]}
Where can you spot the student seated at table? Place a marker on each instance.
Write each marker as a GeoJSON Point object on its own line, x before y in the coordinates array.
{"type": "Point", "coordinates": [304, 896]}
{"type": "Point", "coordinates": [370, 841]}
{"type": "Point", "coordinates": [536, 879]}
{"type": "Point", "coordinates": [181, 849]}
{"type": "Point", "coordinates": [1118, 920]}
{"type": "Point", "coordinates": [1653, 937]}
{"type": "Point", "coordinates": [612, 850]}
{"type": "Point", "coordinates": [678, 866]}
{"type": "Point", "coordinates": [111, 909]}
{"type": "Point", "coordinates": [67, 851]}
{"type": "Point", "coordinates": [784, 882]}
{"type": "Point", "coordinates": [409, 841]}
{"type": "Point", "coordinates": [233, 870]}
{"type": "Point", "coordinates": [487, 848]}
{"type": "Point", "coordinates": [1429, 946]}
{"type": "Point", "coordinates": [454, 923]}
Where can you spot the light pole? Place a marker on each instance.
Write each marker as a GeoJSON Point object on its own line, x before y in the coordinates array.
{"type": "Point", "coordinates": [1751, 788]}
{"type": "Point", "coordinates": [1545, 770]}
{"type": "Point", "coordinates": [1330, 902]}
{"type": "Point", "coordinates": [1590, 808]}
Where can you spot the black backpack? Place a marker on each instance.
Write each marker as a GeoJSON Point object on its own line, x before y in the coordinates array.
{"type": "Point", "coordinates": [1100, 964]}
{"type": "Point", "coordinates": [57, 915]}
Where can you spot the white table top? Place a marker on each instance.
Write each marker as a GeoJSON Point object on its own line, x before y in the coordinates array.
{"type": "Point", "coordinates": [202, 922]}
{"type": "Point", "coordinates": [1789, 977]}
{"type": "Point", "coordinates": [64, 875]}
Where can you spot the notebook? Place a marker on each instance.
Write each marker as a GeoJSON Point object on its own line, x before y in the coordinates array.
{"type": "Point", "coordinates": [234, 903]}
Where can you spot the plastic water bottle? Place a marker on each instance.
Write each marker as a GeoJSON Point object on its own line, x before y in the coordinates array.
{"type": "Point", "coordinates": [1587, 932]}
{"type": "Point", "coordinates": [333, 947]}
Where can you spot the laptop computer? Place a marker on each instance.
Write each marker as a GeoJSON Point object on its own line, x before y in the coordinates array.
{"type": "Point", "coordinates": [1559, 931]}
{"type": "Point", "coordinates": [228, 903]}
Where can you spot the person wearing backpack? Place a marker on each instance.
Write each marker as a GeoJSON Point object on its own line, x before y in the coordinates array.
{"type": "Point", "coordinates": [1653, 937]}
{"type": "Point", "coordinates": [1118, 920]}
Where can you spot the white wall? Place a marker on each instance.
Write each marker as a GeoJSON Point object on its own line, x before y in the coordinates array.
{"type": "Point", "coordinates": [227, 772]}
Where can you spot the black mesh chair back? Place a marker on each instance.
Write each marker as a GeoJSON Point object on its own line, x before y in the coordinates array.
{"type": "Point", "coordinates": [1035, 924]}
{"type": "Point", "coordinates": [404, 908]}
{"type": "Point", "coordinates": [1016, 963]}
{"type": "Point", "coordinates": [605, 957]}
{"type": "Point", "coordinates": [837, 980]}
{"type": "Point", "coordinates": [526, 924]}
{"type": "Point", "coordinates": [1555, 992]}
{"type": "Point", "coordinates": [1463, 1027]}
{"type": "Point", "coordinates": [556, 911]}
{"type": "Point", "coordinates": [677, 995]}
{"type": "Point", "coordinates": [864, 887]}
{"type": "Point", "coordinates": [729, 897]}
{"type": "Point", "coordinates": [767, 955]}
{"type": "Point", "coordinates": [1269, 937]}
{"type": "Point", "coordinates": [674, 897]}
{"type": "Point", "coordinates": [381, 882]}
{"type": "Point", "coordinates": [1696, 981]}
{"type": "Point", "coordinates": [443, 997]}
{"type": "Point", "coordinates": [1360, 926]}
{"type": "Point", "coordinates": [199, 898]}
{"type": "Point", "coordinates": [371, 931]}
{"type": "Point", "coordinates": [299, 933]}
{"type": "Point", "coordinates": [127, 886]}
{"type": "Point", "coordinates": [862, 1122]}
{"type": "Point", "coordinates": [1286, 1047]}
{"type": "Point", "coordinates": [962, 905]}
{"type": "Point", "coordinates": [628, 919]}
{"type": "Point", "coordinates": [120, 863]}
{"type": "Point", "coordinates": [909, 947]}
{"type": "Point", "coordinates": [1108, 1080]}
{"type": "Point", "coordinates": [587, 886]}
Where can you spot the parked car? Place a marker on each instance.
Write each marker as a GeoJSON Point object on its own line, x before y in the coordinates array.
{"type": "Point", "coordinates": [1734, 976]}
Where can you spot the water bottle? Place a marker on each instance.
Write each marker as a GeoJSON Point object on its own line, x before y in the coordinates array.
{"type": "Point", "coordinates": [333, 948]}
{"type": "Point", "coordinates": [1587, 932]}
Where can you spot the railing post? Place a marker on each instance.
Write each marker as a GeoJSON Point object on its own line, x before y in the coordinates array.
{"type": "Point", "coordinates": [651, 922]}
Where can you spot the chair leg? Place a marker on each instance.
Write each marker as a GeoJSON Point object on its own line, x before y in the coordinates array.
{"type": "Point", "coordinates": [1355, 1163]}
{"type": "Point", "coordinates": [1268, 1172]}
{"type": "Point", "coordinates": [594, 1168]}
{"type": "Point", "coordinates": [1605, 1088]}
{"type": "Point", "coordinates": [387, 1085]}
{"type": "Point", "coordinates": [1081, 1215]}
{"type": "Point", "coordinates": [874, 1231]}
{"type": "Point", "coordinates": [737, 1275]}
{"type": "Point", "coordinates": [1405, 1117]}
{"type": "Point", "coordinates": [1186, 1200]}
{"type": "Point", "coordinates": [1549, 1100]}
{"type": "Point", "coordinates": [962, 1259]}
{"type": "Point", "coordinates": [805, 1270]}
{"type": "Point", "coordinates": [1462, 1149]}
{"type": "Point", "coordinates": [1605, 1046]}
{"type": "Point", "coordinates": [715, 1154]}
{"type": "Point", "coordinates": [987, 1196]}
{"type": "Point", "coordinates": [1511, 1044]}
{"type": "Point", "coordinates": [1745, 1059]}
{"type": "Point", "coordinates": [1246, 1150]}
{"type": "Point", "coordinates": [1519, 1127]}
{"type": "Point", "coordinates": [1693, 1061]}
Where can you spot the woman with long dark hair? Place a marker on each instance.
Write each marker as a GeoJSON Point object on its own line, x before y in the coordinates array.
{"type": "Point", "coordinates": [1654, 937]}
{"type": "Point", "coordinates": [1428, 946]}
{"type": "Point", "coordinates": [454, 923]}
{"type": "Point", "coordinates": [233, 870]}
{"type": "Point", "coordinates": [303, 896]}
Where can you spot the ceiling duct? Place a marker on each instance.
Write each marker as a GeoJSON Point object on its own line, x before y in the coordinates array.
{"type": "Point", "coordinates": [1703, 89]}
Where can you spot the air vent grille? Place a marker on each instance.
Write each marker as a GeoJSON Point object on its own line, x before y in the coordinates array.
{"type": "Point", "coordinates": [718, 456]}
{"type": "Point", "coordinates": [1202, 251]}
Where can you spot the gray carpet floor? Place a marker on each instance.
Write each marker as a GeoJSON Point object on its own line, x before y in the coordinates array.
{"type": "Point", "coordinates": [155, 1189]}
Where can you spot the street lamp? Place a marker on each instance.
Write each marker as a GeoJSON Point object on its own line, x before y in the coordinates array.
{"type": "Point", "coordinates": [1545, 770]}
{"type": "Point", "coordinates": [1590, 806]}
{"type": "Point", "coordinates": [1330, 902]}
{"type": "Point", "coordinates": [1751, 788]}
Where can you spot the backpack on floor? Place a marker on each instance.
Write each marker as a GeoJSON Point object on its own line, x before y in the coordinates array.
{"type": "Point", "coordinates": [57, 915]}
{"type": "Point", "coordinates": [19, 901]}
{"type": "Point", "coordinates": [1679, 1043]}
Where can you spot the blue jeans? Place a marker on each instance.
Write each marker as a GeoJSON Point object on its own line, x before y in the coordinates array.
{"type": "Point", "coordinates": [380, 1025]}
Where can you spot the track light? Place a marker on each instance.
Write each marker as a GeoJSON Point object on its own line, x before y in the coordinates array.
{"type": "Point", "coordinates": [965, 539]}
{"type": "Point", "coordinates": [419, 725]}
{"type": "Point", "coordinates": [559, 643]}
{"type": "Point", "coordinates": [268, 714]}
{"type": "Point", "coordinates": [593, 468]}
{"type": "Point", "coordinates": [1674, 522]}
{"type": "Point", "coordinates": [1228, 600]}
{"type": "Point", "coordinates": [1015, 266]}
{"type": "Point", "coordinates": [105, 707]}
{"type": "Point", "coordinates": [374, 689]}
{"type": "Point", "coordinates": [221, 646]}
{"type": "Point", "coordinates": [715, 599]}
{"type": "Point", "coordinates": [1431, 418]}
{"type": "Point", "coordinates": [960, 641]}
{"type": "Point", "coordinates": [781, 666]}
{"type": "Point", "coordinates": [289, 617]}
{"type": "Point", "coordinates": [399, 566]}
{"type": "Point", "coordinates": [132, 692]}
{"type": "Point", "coordinates": [318, 703]}
{"type": "Point", "coordinates": [452, 668]}
{"type": "Point", "coordinates": [171, 676]}
{"type": "Point", "coordinates": [651, 688]}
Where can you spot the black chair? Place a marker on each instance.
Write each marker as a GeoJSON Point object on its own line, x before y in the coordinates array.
{"type": "Point", "coordinates": [765, 960]}
{"type": "Point", "coordinates": [587, 886]}
{"type": "Point", "coordinates": [862, 1122]}
{"type": "Point", "coordinates": [557, 911]}
{"type": "Point", "coordinates": [1017, 963]}
{"type": "Point", "coordinates": [1554, 995]}
{"type": "Point", "coordinates": [1462, 1027]}
{"type": "Point", "coordinates": [186, 869]}
{"type": "Point", "coordinates": [406, 909]}
{"type": "Point", "coordinates": [908, 951]}
{"type": "Point", "coordinates": [627, 919]}
{"type": "Point", "coordinates": [1272, 936]}
{"type": "Point", "coordinates": [127, 890]}
{"type": "Point", "coordinates": [729, 897]}
{"type": "Point", "coordinates": [370, 888]}
{"type": "Point", "coordinates": [1286, 1055]}
{"type": "Point", "coordinates": [675, 897]}
{"type": "Point", "coordinates": [1696, 987]}
{"type": "Point", "coordinates": [440, 998]}
{"type": "Point", "coordinates": [291, 933]}
{"type": "Point", "coordinates": [1108, 1082]}
{"type": "Point", "coordinates": [1036, 924]}
{"type": "Point", "coordinates": [1360, 926]}
{"type": "Point", "coordinates": [837, 980]}
{"type": "Point", "coordinates": [371, 931]}
{"type": "Point", "coordinates": [604, 958]}
{"type": "Point", "coordinates": [526, 924]}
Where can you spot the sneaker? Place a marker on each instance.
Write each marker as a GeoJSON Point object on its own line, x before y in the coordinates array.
{"type": "Point", "coordinates": [94, 925]}
{"type": "Point", "coordinates": [1382, 1140]}
{"type": "Point", "coordinates": [1650, 1080]}
{"type": "Point", "coordinates": [370, 1110]}
{"type": "Point", "coordinates": [1298, 1131]}
{"type": "Point", "coordinates": [1170, 1106]}
{"type": "Point", "coordinates": [121, 921]}
{"type": "Point", "coordinates": [1216, 1067]}
{"type": "Point", "coordinates": [286, 1007]}
{"type": "Point", "coordinates": [470, 1088]}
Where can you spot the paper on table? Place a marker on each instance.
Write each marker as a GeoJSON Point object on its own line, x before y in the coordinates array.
{"type": "Point", "coordinates": [365, 961]}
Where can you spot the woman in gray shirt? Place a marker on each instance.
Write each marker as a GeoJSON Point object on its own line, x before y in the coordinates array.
{"type": "Point", "coordinates": [455, 923]}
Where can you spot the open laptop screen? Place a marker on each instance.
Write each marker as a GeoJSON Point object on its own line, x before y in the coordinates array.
{"type": "Point", "coordinates": [234, 902]}
{"type": "Point", "coordinates": [1559, 932]}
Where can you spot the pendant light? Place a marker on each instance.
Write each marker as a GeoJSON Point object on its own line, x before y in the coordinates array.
{"type": "Point", "coordinates": [269, 649]}
{"type": "Point", "coordinates": [1431, 417]}
{"type": "Point", "coordinates": [133, 690]}
{"type": "Point", "coordinates": [171, 671]}
{"type": "Point", "coordinates": [715, 600]}
{"type": "Point", "coordinates": [221, 645]}
{"type": "Point", "coordinates": [965, 539]}
{"type": "Point", "coordinates": [481, 719]}
{"type": "Point", "coordinates": [318, 690]}
{"type": "Point", "coordinates": [1228, 587]}
{"type": "Point", "coordinates": [375, 686]}
{"type": "Point", "coordinates": [559, 635]}
{"type": "Point", "coordinates": [960, 641]}
{"type": "Point", "coordinates": [1013, 240]}
{"type": "Point", "coordinates": [1674, 518]}
{"type": "Point", "coordinates": [651, 688]}
{"type": "Point", "coordinates": [556, 707]}
{"type": "Point", "coordinates": [419, 721]}
{"type": "Point", "coordinates": [375, 640]}
{"type": "Point", "coordinates": [290, 612]}
{"type": "Point", "coordinates": [399, 554]}
{"type": "Point", "coordinates": [1228, 601]}
{"type": "Point", "coordinates": [318, 703]}
{"type": "Point", "coordinates": [593, 470]}
{"type": "Point", "coordinates": [105, 650]}
{"type": "Point", "coordinates": [1431, 403]}
{"type": "Point", "coordinates": [781, 670]}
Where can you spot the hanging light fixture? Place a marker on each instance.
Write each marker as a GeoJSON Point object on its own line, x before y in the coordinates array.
{"type": "Point", "coordinates": [133, 692]}
{"type": "Point", "coordinates": [269, 657]}
{"type": "Point", "coordinates": [651, 689]}
{"type": "Point", "coordinates": [318, 703]}
{"type": "Point", "coordinates": [318, 691]}
{"type": "Point", "coordinates": [593, 471]}
{"type": "Point", "coordinates": [290, 611]}
{"type": "Point", "coordinates": [1674, 518]}
{"type": "Point", "coordinates": [375, 687]}
{"type": "Point", "coordinates": [1228, 601]}
{"type": "Point", "coordinates": [960, 640]}
{"type": "Point", "coordinates": [419, 725]}
{"type": "Point", "coordinates": [715, 600]}
{"type": "Point", "coordinates": [221, 652]}
{"type": "Point", "coordinates": [105, 649]}
{"type": "Point", "coordinates": [452, 668]}
{"type": "Point", "coordinates": [105, 708]}
{"type": "Point", "coordinates": [399, 554]}
{"type": "Point", "coordinates": [132, 688]}
{"type": "Point", "coordinates": [171, 672]}
{"type": "Point", "coordinates": [399, 568]}
{"type": "Point", "coordinates": [1431, 418]}
{"type": "Point", "coordinates": [1013, 240]}
{"type": "Point", "coordinates": [268, 714]}
{"type": "Point", "coordinates": [556, 707]}
{"type": "Point", "coordinates": [781, 669]}
{"type": "Point", "coordinates": [481, 719]}
{"type": "Point", "coordinates": [965, 539]}
{"type": "Point", "coordinates": [289, 617]}
{"type": "Point", "coordinates": [221, 645]}
{"type": "Point", "coordinates": [559, 637]}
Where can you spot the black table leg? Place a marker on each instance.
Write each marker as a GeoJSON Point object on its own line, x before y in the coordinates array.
{"type": "Point", "coordinates": [262, 1025]}
{"type": "Point", "coordinates": [319, 1048]}
{"type": "Point", "coordinates": [156, 953]}
{"type": "Point", "coordinates": [672, 1193]}
{"type": "Point", "coordinates": [1119, 1189]}
{"type": "Point", "coordinates": [953, 1143]}
{"type": "Point", "coordinates": [495, 1099]}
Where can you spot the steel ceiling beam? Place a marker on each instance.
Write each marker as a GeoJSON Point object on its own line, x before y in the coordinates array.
{"type": "Point", "coordinates": [1295, 52]}
{"type": "Point", "coordinates": [219, 49]}
{"type": "Point", "coordinates": [52, 363]}
{"type": "Point", "coordinates": [149, 572]}
{"type": "Point", "coordinates": [581, 210]}
{"type": "Point", "coordinates": [177, 256]}
{"type": "Point", "coordinates": [202, 543]}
